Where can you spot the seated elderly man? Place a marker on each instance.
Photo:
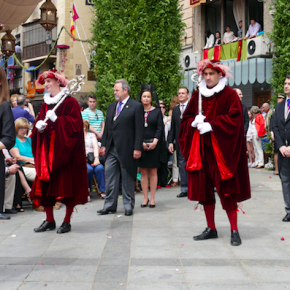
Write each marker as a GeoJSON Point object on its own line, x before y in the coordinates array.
{"type": "Point", "coordinates": [253, 30]}
{"type": "Point", "coordinates": [19, 111]}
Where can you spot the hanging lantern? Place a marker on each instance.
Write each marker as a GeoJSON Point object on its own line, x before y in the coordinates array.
{"type": "Point", "coordinates": [48, 15]}
{"type": "Point", "coordinates": [8, 43]}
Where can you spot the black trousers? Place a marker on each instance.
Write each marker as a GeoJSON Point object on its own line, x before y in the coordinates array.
{"type": "Point", "coordinates": [162, 174]}
{"type": "Point", "coordinates": [2, 182]}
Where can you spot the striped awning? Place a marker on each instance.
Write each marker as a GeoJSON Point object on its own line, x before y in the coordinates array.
{"type": "Point", "coordinates": [194, 3]}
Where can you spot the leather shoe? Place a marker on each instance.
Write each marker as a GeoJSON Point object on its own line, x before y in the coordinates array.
{"type": "Point", "coordinates": [286, 218]}
{"type": "Point", "coordinates": [64, 228]}
{"type": "Point", "coordinates": [173, 184]}
{"type": "Point", "coordinates": [128, 212]}
{"type": "Point", "coordinates": [182, 194]}
{"type": "Point", "coordinates": [207, 234]}
{"type": "Point", "coordinates": [45, 226]}
{"type": "Point", "coordinates": [4, 216]}
{"type": "Point", "coordinates": [235, 238]}
{"type": "Point", "coordinates": [105, 211]}
{"type": "Point", "coordinates": [11, 211]}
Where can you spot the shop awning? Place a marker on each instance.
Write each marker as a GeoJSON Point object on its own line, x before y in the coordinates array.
{"type": "Point", "coordinates": [15, 12]}
{"type": "Point", "coordinates": [194, 3]}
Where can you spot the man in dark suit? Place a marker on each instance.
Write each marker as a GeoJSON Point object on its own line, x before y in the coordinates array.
{"type": "Point", "coordinates": [122, 144]}
{"type": "Point", "coordinates": [245, 111]}
{"type": "Point", "coordinates": [281, 128]}
{"type": "Point", "coordinates": [177, 112]}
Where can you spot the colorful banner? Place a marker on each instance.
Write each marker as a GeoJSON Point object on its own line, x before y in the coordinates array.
{"type": "Point", "coordinates": [205, 54]}
{"type": "Point", "coordinates": [217, 53]}
{"type": "Point", "coordinates": [239, 50]}
{"type": "Point", "coordinates": [194, 3]}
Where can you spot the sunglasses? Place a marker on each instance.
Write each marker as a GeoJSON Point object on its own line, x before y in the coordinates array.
{"type": "Point", "coordinates": [162, 107]}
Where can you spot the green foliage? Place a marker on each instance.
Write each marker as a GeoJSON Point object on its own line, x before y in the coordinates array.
{"type": "Point", "coordinates": [138, 40]}
{"type": "Point", "coordinates": [280, 37]}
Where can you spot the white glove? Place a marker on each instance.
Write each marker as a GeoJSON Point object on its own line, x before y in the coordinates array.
{"type": "Point", "coordinates": [204, 128]}
{"type": "Point", "coordinates": [198, 119]}
{"type": "Point", "coordinates": [51, 115]}
{"type": "Point", "coordinates": [41, 125]}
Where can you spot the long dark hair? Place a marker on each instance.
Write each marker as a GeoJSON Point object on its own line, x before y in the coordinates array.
{"type": "Point", "coordinates": [152, 90]}
{"type": "Point", "coordinates": [4, 91]}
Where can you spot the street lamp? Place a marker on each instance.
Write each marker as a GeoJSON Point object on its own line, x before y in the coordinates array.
{"type": "Point", "coordinates": [48, 41]}
{"type": "Point", "coordinates": [8, 43]}
{"type": "Point", "coordinates": [48, 15]}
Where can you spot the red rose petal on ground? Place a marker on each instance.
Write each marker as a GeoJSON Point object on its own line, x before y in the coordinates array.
{"type": "Point", "coordinates": [282, 239]}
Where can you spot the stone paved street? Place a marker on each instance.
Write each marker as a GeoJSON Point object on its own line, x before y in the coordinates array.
{"type": "Point", "coordinates": [153, 249]}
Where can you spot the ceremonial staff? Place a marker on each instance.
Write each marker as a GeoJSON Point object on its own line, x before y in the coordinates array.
{"type": "Point", "coordinates": [199, 93]}
{"type": "Point", "coordinates": [73, 87]}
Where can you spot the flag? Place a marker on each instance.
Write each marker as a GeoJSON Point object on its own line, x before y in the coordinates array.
{"type": "Point", "coordinates": [75, 15]}
{"type": "Point", "coordinates": [239, 51]}
{"type": "Point", "coordinates": [194, 3]}
{"type": "Point", "coordinates": [72, 29]}
{"type": "Point", "coordinates": [205, 54]}
{"type": "Point", "coordinates": [217, 53]}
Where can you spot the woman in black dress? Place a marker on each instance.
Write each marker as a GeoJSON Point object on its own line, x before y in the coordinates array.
{"type": "Point", "coordinates": [7, 134]}
{"type": "Point", "coordinates": [150, 159]}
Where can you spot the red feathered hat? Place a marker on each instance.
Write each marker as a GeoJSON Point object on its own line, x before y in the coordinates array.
{"type": "Point", "coordinates": [54, 74]}
{"type": "Point", "coordinates": [206, 63]}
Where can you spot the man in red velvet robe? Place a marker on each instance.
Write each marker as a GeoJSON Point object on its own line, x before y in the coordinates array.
{"type": "Point", "coordinates": [214, 148]}
{"type": "Point", "coordinates": [58, 150]}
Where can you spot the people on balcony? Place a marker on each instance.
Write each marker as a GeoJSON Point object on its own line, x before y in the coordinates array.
{"type": "Point", "coordinates": [209, 39]}
{"type": "Point", "coordinates": [240, 31]}
{"type": "Point", "coordinates": [217, 38]}
{"type": "Point", "coordinates": [228, 35]}
{"type": "Point", "coordinates": [253, 30]}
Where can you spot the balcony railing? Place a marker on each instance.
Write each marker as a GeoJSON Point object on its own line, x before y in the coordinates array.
{"type": "Point", "coordinates": [37, 50]}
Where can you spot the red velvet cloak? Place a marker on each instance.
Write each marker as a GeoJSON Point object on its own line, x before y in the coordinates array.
{"type": "Point", "coordinates": [59, 155]}
{"type": "Point", "coordinates": [223, 111]}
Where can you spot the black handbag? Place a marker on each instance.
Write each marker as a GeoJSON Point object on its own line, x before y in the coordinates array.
{"type": "Point", "coordinates": [90, 158]}
{"type": "Point", "coordinates": [148, 141]}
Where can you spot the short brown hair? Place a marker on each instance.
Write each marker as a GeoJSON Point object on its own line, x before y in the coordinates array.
{"type": "Point", "coordinates": [21, 123]}
{"type": "Point", "coordinates": [87, 124]}
{"type": "Point", "coordinates": [13, 97]}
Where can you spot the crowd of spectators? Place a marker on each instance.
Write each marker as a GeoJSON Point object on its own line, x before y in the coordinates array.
{"type": "Point", "coordinates": [231, 36]}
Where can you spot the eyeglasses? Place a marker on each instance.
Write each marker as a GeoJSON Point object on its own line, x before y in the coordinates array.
{"type": "Point", "coordinates": [23, 128]}
{"type": "Point", "coordinates": [162, 107]}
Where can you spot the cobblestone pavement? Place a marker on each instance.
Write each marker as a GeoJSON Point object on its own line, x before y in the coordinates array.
{"type": "Point", "coordinates": [153, 249]}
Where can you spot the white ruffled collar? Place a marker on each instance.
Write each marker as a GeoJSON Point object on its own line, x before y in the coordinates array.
{"type": "Point", "coordinates": [210, 92]}
{"type": "Point", "coordinates": [54, 100]}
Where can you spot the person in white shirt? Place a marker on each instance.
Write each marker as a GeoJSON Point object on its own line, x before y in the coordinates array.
{"type": "Point", "coordinates": [209, 39]}
{"type": "Point", "coordinates": [228, 35]}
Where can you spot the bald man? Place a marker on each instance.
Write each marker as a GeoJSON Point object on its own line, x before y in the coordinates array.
{"type": "Point", "coordinates": [245, 111]}
{"type": "Point", "coordinates": [268, 115]}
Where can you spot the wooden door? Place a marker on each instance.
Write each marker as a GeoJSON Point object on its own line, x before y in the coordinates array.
{"type": "Point", "coordinates": [262, 97]}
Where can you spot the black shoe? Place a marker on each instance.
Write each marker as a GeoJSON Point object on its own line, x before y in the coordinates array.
{"type": "Point", "coordinates": [235, 238]}
{"type": "Point", "coordinates": [286, 218]}
{"type": "Point", "coordinates": [207, 234]}
{"type": "Point", "coordinates": [145, 205]}
{"type": "Point", "coordinates": [105, 211]}
{"type": "Point", "coordinates": [11, 211]}
{"type": "Point", "coordinates": [128, 212]}
{"type": "Point", "coordinates": [64, 228]}
{"type": "Point", "coordinates": [182, 194]}
{"type": "Point", "coordinates": [4, 216]}
{"type": "Point", "coordinates": [45, 226]}
{"type": "Point", "coordinates": [151, 205]}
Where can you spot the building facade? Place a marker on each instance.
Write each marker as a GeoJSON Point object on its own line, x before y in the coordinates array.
{"type": "Point", "coordinates": [253, 72]}
{"type": "Point", "coordinates": [31, 37]}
